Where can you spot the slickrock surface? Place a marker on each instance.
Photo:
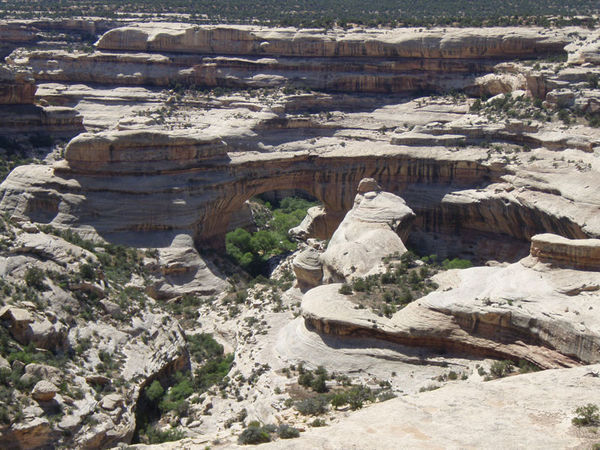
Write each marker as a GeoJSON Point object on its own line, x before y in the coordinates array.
{"type": "Point", "coordinates": [402, 60]}
{"type": "Point", "coordinates": [533, 411]}
{"type": "Point", "coordinates": [141, 152]}
{"type": "Point", "coordinates": [522, 311]}
{"type": "Point", "coordinates": [20, 115]}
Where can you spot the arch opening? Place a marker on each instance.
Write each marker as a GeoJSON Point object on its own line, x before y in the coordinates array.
{"type": "Point", "coordinates": [258, 235]}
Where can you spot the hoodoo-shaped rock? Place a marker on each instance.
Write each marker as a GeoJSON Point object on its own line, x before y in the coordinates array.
{"type": "Point", "coordinates": [371, 230]}
{"type": "Point", "coordinates": [141, 151]}
{"type": "Point", "coordinates": [308, 269]}
{"type": "Point", "coordinates": [560, 251]}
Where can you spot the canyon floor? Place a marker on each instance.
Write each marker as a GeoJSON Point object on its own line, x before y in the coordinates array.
{"type": "Point", "coordinates": [443, 294]}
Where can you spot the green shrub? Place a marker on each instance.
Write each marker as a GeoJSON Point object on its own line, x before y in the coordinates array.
{"type": "Point", "coordinates": [155, 436]}
{"type": "Point", "coordinates": [254, 435]}
{"type": "Point", "coordinates": [587, 415]}
{"type": "Point", "coordinates": [287, 432]}
{"type": "Point", "coordinates": [213, 372]}
{"type": "Point", "coordinates": [500, 369]}
{"type": "Point", "coordinates": [34, 278]}
{"type": "Point", "coordinates": [203, 346]}
{"type": "Point", "coordinates": [457, 263]}
{"type": "Point", "coordinates": [312, 406]}
{"type": "Point", "coordinates": [87, 272]}
{"type": "Point", "coordinates": [318, 423]}
{"type": "Point", "coordinates": [319, 384]}
{"type": "Point", "coordinates": [306, 379]}
{"type": "Point", "coordinates": [155, 391]}
{"type": "Point", "coordinates": [345, 289]}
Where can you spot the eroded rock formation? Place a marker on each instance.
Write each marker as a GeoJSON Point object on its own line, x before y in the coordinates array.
{"type": "Point", "coordinates": [371, 230]}
{"type": "Point", "coordinates": [402, 60]}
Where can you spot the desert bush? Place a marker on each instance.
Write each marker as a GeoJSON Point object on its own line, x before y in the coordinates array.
{"type": "Point", "coordinates": [34, 278]}
{"type": "Point", "coordinates": [345, 289]}
{"type": "Point", "coordinates": [254, 434]}
{"type": "Point", "coordinates": [287, 432]}
{"type": "Point", "coordinates": [312, 406]}
{"type": "Point", "coordinates": [587, 415]}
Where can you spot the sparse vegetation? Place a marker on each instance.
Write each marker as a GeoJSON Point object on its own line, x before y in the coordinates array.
{"type": "Point", "coordinates": [587, 415]}
{"type": "Point", "coordinates": [328, 13]}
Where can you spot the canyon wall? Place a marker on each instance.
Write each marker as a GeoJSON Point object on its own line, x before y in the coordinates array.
{"type": "Point", "coordinates": [377, 61]}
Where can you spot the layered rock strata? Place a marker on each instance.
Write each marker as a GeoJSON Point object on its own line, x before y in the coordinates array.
{"type": "Point", "coordinates": [557, 250]}
{"type": "Point", "coordinates": [19, 114]}
{"type": "Point", "coordinates": [404, 60]}
{"type": "Point", "coordinates": [523, 311]}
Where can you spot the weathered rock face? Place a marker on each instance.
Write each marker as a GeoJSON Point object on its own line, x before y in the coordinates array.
{"type": "Point", "coordinates": [317, 223]}
{"type": "Point", "coordinates": [401, 43]}
{"type": "Point", "coordinates": [17, 33]}
{"type": "Point", "coordinates": [308, 268]}
{"type": "Point", "coordinates": [141, 152]}
{"type": "Point", "coordinates": [371, 230]}
{"type": "Point", "coordinates": [16, 87]}
{"type": "Point", "coordinates": [560, 251]}
{"type": "Point", "coordinates": [179, 269]}
{"type": "Point", "coordinates": [357, 61]}
{"type": "Point", "coordinates": [27, 327]}
{"type": "Point", "coordinates": [515, 312]}
{"type": "Point", "coordinates": [200, 196]}
{"type": "Point", "coordinates": [20, 115]}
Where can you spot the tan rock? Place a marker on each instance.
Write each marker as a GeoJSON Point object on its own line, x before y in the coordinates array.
{"type": "Point", "coordinates": [560, 251]}
{"type": "Point", "coordinates": [44, 391]}
{"type": "Point", "coordinates": [449, 43]}
{"type": "Point", "coordinates": [368, 185]}
{"type": "Point", "coordinates": [111, 402]}
{"type": "Point", "coordinates": [532, 410]}
{"type": "Point", "coordinates": [17, 87]}
{"type": "Point", "coordinates": [139, 151]}
{"type": "Point", "coordinates": [370, 231]}
{"type": "Point", "coordinates": [308, 269]}
{"type": "Point", "coordinates": [52, 374]}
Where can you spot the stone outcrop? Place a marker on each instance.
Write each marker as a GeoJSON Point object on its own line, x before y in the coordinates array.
{"type": "Point", "coordinates": [401, 60]}
{"type": "Point", "coordinates": [141, 152]}
{"type": "Point", "coordinates": [560, 251]}
{"type": "Point", "coordinates": [398, 43]}
{"type": "Point", "coordinates": [20, 115]}
{"type": "Point", "coordinates": [44, 391]}
{"type": "Point", "coordinates": [16, 87]}
{"type": "Point", "coordinates": [180, 270]}
{"type": "Point", "coordinates": [72, 193]}
{"type": "Point", "coordinates": [308, 268]}
{"type": "Point", "coordinates": [515, 312]}
{"type": "Point", "coordinates": [17, 33]}
{"type": "Point", "coordinates": [371, 230]}
{"type": "Point", "coordinates": [317, 223]}
{"type": "Point", "coordinates": [27, 327]}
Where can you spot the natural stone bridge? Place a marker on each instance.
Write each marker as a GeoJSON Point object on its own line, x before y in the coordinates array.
{"type": "Point", "coordinates": [143, 188]}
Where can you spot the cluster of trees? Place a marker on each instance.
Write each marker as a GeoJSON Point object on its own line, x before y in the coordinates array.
{"type": "Point", "coordinates": [252, 250]}
{"type": "Point", "coordinates": [322, 14]}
